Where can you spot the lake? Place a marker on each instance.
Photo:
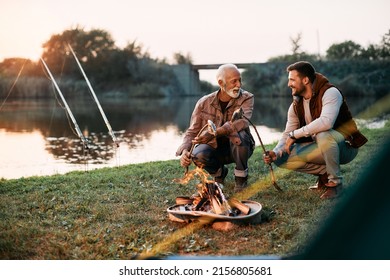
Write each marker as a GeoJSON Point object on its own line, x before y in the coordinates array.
{"type": "Point", "coordinates": [37, 138]}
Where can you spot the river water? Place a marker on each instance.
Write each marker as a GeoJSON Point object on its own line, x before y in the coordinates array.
{"type": "Point", "coordinates": [37, 138]}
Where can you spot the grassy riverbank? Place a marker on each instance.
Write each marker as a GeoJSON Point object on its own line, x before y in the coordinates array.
{"type": "Point", "coordinates": [120, 213]}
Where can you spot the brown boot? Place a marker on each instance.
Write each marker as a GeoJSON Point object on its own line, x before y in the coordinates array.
{"type": "Point", "coordinates": [333, 190]}
{"type": "Point", "coordinates": [320, 184]}
{"type": "Point", "coordinates": [224, 173]}
{"type": "Point", "coordinates": [241, 183]}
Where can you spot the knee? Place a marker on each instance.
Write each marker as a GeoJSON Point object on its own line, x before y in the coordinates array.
{"type": "Point", "coordinates": [201, 156]}
{"type": "Point", "coordinates": [246, 139]}
{"type": "Point", "coordinates": [329, 136]}
{"type": "Point", "coordinates": [324, 136]}
{"type": "Point", "coordinates": [245, 149]}
{"type": "Point", "coordinates": [281, 160]}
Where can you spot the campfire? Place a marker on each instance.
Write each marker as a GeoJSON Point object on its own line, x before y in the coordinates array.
{"type": "Point", "coordinates": [209, 201]}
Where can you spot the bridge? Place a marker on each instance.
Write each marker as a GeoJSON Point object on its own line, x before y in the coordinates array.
{"type": "Point", "coordinates": [215, 66]}
{"type": "Point", "coordinates": [188, 74]}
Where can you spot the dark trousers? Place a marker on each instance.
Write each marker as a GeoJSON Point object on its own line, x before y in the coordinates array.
{"type": "Point", "coordinates": [212, 160]}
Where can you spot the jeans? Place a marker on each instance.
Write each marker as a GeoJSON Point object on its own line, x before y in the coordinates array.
{"type": "Point", "coordinates": [213, 160]}
{"type": "Point", "coordinates": [325, 154]}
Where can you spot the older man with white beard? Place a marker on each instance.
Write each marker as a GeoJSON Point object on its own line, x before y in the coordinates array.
{"type": "Point", "coordinates": [232, 142]}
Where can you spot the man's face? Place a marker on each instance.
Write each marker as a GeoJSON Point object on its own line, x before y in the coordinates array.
{"type": "Point", "coordinates": [232, 83]}
{"type": "Point", "coordinates": [296, 84]}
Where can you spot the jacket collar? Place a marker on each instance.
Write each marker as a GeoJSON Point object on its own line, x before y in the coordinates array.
{"type": "Point", "coordinates": [318, 83]}
{"type": "Point", "coordinates": [215, 100]}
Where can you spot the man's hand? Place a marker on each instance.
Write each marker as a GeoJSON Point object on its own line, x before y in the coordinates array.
{"type": "Point", "coordinates": [287, 146]}
{"type": "Point", "coordinates": [204, 138]}
{"type": "Point", "coordinates": [269, 157]}
{"type": "Point", "coordinates": [185, 159]}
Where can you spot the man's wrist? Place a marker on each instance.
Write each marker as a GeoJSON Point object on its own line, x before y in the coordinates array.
{"type": "Point", "coordinates": [291, 135]}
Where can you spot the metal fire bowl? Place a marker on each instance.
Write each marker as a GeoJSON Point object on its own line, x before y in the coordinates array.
{"type": "Point", "coordinates": [177, 214]}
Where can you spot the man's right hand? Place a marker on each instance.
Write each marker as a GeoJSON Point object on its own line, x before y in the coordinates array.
{"type": "Point", "coordinates": [269, 157]}
{"type": "Point", "coordinates": [185, 159]}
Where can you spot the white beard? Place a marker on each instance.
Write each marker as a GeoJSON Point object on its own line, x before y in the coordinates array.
{"type": "Point", "coordinates": [232, 94]}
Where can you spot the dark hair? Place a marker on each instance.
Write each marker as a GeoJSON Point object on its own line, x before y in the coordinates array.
{"type": "Point", "coordinates": [304, 68]}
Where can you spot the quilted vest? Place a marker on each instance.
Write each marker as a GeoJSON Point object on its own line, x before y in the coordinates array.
{"type": "Point", "coordinates": [344, 122]}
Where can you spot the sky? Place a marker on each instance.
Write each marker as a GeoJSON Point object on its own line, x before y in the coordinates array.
{"type": "Point", "coordinates": [211, 31]}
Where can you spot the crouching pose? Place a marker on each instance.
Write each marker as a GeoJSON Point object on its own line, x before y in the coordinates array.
{"type": "Point", "coordinates": [320, 133]}
{"type": "Point", "coordinates": [232, 142]}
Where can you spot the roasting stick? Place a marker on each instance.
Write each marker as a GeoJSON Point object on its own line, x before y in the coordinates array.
{"type": "Point", "coordinates": [239, 113]}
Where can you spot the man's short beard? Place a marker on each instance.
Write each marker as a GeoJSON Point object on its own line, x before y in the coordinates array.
{"type": "Point", "coordinates": [231, 92]}
{"type": "Point", "coordinates": [298, 92]}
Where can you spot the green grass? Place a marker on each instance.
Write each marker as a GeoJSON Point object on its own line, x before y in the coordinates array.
{"type": "Point", "coordinates": [120, 213]}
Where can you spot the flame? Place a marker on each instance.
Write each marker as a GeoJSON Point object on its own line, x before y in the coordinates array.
{"type": "Point", "coordinates": [211, 197]}
{"type": "Point", "coordinates": [198, 171]}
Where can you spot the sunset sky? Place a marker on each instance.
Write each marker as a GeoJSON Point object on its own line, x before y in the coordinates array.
{"type": "Point", "coordinates": [211, 31]}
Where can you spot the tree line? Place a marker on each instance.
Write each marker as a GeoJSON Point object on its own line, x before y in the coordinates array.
{"type": "Point", "coordinates": [131, 71]}
{"type": "Point", "coordinates": [356, 70]}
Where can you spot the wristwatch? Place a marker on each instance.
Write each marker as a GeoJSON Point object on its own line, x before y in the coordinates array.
{"type": "Point", "coordinates": [291, 135]}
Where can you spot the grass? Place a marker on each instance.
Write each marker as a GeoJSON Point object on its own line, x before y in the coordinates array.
{"type": "Point", "coordinates": [120, 213]}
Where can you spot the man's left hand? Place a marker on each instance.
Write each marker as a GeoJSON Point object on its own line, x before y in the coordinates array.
{"type": "Point", "coordinates": [204, 138]}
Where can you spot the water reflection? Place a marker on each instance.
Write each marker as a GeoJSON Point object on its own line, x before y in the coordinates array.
{"type": "Point", "coordinates": [36, 138]}
{"type": "Point", "coordinates": [73, 151]}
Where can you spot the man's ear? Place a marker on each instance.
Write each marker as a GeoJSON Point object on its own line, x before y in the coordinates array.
{"type": "Point", "coordinates": [306, 81]}
{"type": "Point", "coordinates": [220, 83]}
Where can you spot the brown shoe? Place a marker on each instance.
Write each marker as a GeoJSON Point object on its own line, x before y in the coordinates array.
{"type": "Point", "coordinates": [320, 184]}
{"type": "Point", "coordinates": [241, 183]}
{"type": "Point", "coordinates": [224, 173]}
{"type": "Point", "coordinates": [333, 190]}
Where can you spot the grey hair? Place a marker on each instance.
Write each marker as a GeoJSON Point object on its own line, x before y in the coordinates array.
{"type": "Point", "coordinates": [222, 69]}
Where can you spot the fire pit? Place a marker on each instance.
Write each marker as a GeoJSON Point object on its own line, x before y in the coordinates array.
{"type": "Point", "coordinates": [209, 203]}
{"type": "Point", "coordinates": [182, 213]}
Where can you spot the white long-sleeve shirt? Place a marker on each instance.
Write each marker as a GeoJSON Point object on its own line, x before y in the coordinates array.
{"type": "Point", "coordinates": [331, 103]}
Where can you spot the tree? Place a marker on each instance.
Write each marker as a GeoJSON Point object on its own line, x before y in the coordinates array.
{"type": "Point", "coordinates": [134, 53]}
{"type": "Point", "coordinates": [182, 59]}
{"type": "Point", "coordinates": [384, 47]}
{"type": "Point", "coordinates": [372, 52]}
{"type": "Point", "coordinates": [296, 55]}
{"type": "Point", "coordinates": [296, 44]}
{"type": "Point", "coordinates": [92, 49]}
{"type": "Point", "coordinates": [135, 50]}
{"type": "Point", "coordinates": [10, 67]}
{"type": "Point", "coordinates": [344, 50]}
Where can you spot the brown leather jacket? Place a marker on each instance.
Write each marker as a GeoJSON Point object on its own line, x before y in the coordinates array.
{"type": "Point", "coordinates": [208, 108]}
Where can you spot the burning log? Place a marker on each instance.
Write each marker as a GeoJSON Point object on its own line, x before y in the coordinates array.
{"type": "Point", "coordinates": [211, 199]}
{"type": "Point", "coordinates": [235, 203]}
{"type": "Point", "coordinates": [216, 206]}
